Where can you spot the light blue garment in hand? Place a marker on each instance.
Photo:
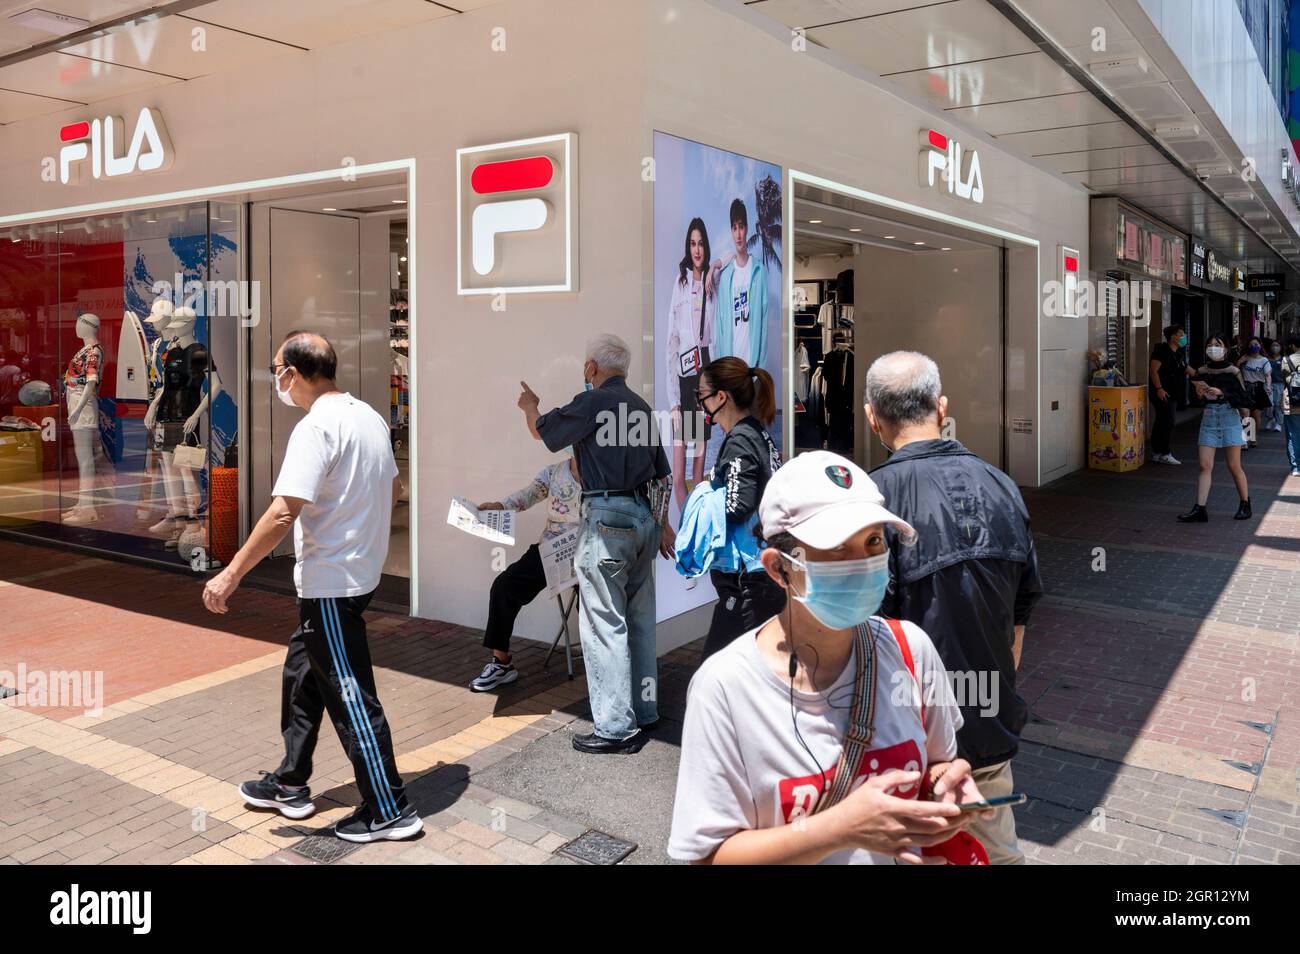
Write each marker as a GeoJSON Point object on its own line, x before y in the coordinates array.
{"type": "Point", "coordinates": [704, 540]}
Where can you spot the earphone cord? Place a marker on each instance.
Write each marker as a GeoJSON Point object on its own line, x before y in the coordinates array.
{"type": "Point", "coordinates": [794, 720]}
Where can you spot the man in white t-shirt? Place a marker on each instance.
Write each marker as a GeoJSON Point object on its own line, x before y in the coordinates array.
{"type": "Point", "coordinates": [336, 489]}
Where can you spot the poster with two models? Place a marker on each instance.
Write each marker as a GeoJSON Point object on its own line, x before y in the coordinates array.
{"type": "Point", "coordinates": [718, 290]}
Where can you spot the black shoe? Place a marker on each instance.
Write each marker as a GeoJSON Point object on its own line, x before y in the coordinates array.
{"type": "Point", "coordinates": [362, 827]}
{"type": "Point", "coordinates": [649, 726]}
{"type": "Point", "coordinates": [267, 792]}
{"type": "Point", "coordinates": [1243, 510]}
{"type": "Point", "coordinates": [595, 744]}
{"type": "Point", "coordinates": [1197, 514]}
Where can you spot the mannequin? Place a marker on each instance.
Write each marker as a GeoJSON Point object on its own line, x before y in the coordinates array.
{"type": "Point", "coordinates": [82, 387]}
{"type": "Point", "coordinates": [160, 316]}
{"type": "Point", "coordinates": [175, 415]}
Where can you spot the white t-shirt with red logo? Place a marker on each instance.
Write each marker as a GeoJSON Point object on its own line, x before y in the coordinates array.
{"type": "Point", "coordinates": [742, 766]}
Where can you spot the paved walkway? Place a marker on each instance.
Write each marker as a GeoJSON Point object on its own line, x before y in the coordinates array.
{"type": "Point", "coordinates": [1164, 689]}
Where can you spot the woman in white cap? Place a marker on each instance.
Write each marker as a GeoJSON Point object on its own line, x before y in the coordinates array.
{"type": "Point", "coordinates": [826, 735]}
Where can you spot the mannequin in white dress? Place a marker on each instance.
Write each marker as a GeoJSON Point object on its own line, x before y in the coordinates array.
{"type": "Point", "coordinates": [82, 388]}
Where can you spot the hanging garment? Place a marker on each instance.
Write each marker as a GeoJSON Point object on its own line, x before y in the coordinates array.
{"type": "Point", "coordinates": [706, 542]}
{"type": "Point", "coordinates": [803, 370]}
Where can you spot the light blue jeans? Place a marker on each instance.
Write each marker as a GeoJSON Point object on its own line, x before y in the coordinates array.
{"type": "Point", "coordinates": [1273, 416]}
{"type": "Point", "coordinates": [614, 563]}
{"type": "Point", "coordinates": [1293, 439]}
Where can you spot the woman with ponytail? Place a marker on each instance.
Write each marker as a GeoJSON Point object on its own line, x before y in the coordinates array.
{"type": "Point", "coordinates": [742, 401]}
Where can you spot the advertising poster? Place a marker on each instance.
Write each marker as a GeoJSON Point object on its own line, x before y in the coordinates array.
{"type": "Point", "coordinates": [717, 215]}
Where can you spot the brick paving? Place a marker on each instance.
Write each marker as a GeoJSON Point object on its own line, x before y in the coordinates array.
{"type": "Point", "coordinates": [1164, 692]}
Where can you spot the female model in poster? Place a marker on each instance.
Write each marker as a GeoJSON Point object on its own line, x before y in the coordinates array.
{"type": "Point", "coordinates": [690, 335]}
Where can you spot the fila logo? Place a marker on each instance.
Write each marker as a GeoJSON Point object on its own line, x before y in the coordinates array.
{"type": "Point", "coordinates": [516, 224]}
{"type": "Point", "coordinates": [508, 215]}
{"type": "Point", "coordinates": [958, 169]}
{"type": "Point", "coordinates": [100, 141]}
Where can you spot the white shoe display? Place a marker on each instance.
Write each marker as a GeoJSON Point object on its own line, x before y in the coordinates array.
{"type": "Point", "coordinates": [79, 516]}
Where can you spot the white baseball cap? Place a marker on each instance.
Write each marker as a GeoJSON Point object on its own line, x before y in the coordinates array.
{"type": "Point", "coordinates": [822, 499]}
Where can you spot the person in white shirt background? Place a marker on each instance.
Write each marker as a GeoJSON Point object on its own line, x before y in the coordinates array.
{"type": "Point", "coordinates": [520, 583]}
{"type": "Point", "coordinates": [336, 490]}
{"type": "Point", "coordinates": [691, 316]}
{"type": "Point", "coordinates": [766, 717]}
{"type": "Point", "coordinates": [1255, 368]}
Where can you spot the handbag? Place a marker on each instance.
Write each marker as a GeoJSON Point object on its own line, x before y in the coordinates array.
{"type": "Point", "coordinates": [190, 456]}
{"type": "Point", "coordinates": [1260, 400]}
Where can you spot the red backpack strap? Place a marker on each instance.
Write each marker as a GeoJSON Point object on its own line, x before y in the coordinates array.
{"type": "Point", "coordinates": [896, 627]}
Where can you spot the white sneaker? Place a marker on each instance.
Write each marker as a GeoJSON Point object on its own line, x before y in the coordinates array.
{"type": "Point", "coordinates": [495, 673]}
{"type": "Point", "coordinates": [1171, 459]}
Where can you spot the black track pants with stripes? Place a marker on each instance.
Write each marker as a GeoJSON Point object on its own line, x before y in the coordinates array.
{"type": "Point", "coordinates": [328, 669]}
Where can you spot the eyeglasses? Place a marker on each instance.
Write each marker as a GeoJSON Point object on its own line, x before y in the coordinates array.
{"type": "Point", "coordinates": [275, 369]}
{"type": "Point", "coordinates": [701, 395]}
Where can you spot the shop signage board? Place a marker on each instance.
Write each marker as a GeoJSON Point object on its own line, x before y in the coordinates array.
{"type": "Point", "coordinates": [1146, 247]}
{"type": "Point", "coordinates": [1266, 281]}
{"type": "Point", "coordinates": [516, 221]}
{"type": "Point", "coordinates": [100, 142]}
{"type": "Point", "coordinates": [946, 163]}
{"type": "Point", "coordinates": [1068, 266]}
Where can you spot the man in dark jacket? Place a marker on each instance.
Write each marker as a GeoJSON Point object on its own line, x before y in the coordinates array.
{"type": "Point", "coordinates": [969, 579]}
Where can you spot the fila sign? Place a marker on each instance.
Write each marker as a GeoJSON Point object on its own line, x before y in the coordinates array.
{"type": "Point", "coordinates": [100, 142]}
{"type": "Point", "coordinates": [516, 225]}
{"type": "Point", "coordinates": [944, 161]}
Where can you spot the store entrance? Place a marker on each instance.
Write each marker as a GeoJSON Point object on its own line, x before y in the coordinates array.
{"type": "Point", "coordinates": [332, 263]}
{"type": "Point", "coordinates": [870, 280]}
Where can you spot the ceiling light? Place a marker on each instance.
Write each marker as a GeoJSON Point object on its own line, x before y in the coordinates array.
{"type": "Point", "coordinates": [56, 24]}
{"type": "Point", "coordinates": [946, 248]}
{"type": "Point", "coordinates": [1177, 130]}
{"type": "Point", "coordinates": [399, 202]}
{"type": "Point", "coordinates": [1239, 195]}
{"type": "Point", "coordinates": [855, 229]}
{"type": "Point", "coordinates": [1207, 170]}
{"type": "Point", "coordinates": [329, 209]}
{"type": "Point", "coordinates": [402, 259]}
{"type": "Point", "coordinates": [888, 236]}
{"type": "Point", "coordinates": [1119, 67]}
{"type": "Point", "coordinates": [918, 243]}
{"type": "Point", "coordinates": [814, 221]}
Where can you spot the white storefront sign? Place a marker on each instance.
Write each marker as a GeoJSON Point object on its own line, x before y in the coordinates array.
{"type": "Point", "coordinates": [944, 161]}
{"type": "Point", "coordinates": [100, 141]}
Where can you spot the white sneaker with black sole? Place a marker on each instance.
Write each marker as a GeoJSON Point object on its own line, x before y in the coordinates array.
{"type": "Point", "coordinates": [267, 792]}
{"type": "Point", "coordinates": [494, 674]}
{"type": "Point", "coordinates": [361, 826]}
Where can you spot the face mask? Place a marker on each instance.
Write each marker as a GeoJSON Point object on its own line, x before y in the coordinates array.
{"type": "Point", "coordinates": [844, 593]}
{"type": "Point", "coordinates": [284, 396]}
{"type": "Point", "coordinates": [1254, 349]}
{"type": "Point", "coordinates": [710, 417]}
{"type": "Point", "coordinates": [1215, 353]}
{"type": "Point", "coordinates": [1182, 342]}
{"type": "Point", "coordinates": [586, 385]}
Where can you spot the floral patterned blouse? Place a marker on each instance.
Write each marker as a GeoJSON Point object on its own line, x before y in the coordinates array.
{"type": "Point", "coordinates": [557, 483]}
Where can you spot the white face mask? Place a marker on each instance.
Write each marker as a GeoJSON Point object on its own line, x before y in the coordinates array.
{"type": "Point", "coordinates": [284, 396]}
{"type": "Point", "coordinates": [1215, 353]}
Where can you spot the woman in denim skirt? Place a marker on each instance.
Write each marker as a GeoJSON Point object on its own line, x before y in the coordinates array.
{"type": "Point", "coordinates": [1220, 384]}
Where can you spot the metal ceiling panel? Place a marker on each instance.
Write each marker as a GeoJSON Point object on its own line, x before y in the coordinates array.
{"type": "Point", "coordinates": [1119, 157]}
{"type": "Point", "coordinates": [61, 76]}
{"type": "Point", "coordinates": [995, 80]}
{"type": "Point", "coordinates": [924, 37]}
{"type": "Point", "coordinates": [16, 106]}
{"type": "Point", "coordinates": [1073, 138]}
{"type": "Point", "coordinates": [809, 13]}
{"type": "Point", "coordinates": [320, 22]}
{"type": "Point", "coordinates": [166, 46]}
{"type": "Point", "coordinates": [1036, 112]}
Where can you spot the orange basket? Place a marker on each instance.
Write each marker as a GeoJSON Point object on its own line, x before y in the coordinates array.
{"type": "Point", "coordinates": [224, 507]}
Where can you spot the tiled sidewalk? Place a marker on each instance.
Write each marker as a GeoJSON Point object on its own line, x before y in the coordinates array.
{"type": "Point", "coordinates": [1165, 691]}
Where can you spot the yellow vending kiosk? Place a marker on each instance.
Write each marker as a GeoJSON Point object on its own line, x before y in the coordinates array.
{"type": "Point", "coordinates": [1117, 427]}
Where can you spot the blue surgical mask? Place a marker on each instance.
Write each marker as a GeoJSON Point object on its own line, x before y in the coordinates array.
{"type": "Point", "coordinates": [844, 593]}
{"type": "Point", "coordinates": [586, 385]}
